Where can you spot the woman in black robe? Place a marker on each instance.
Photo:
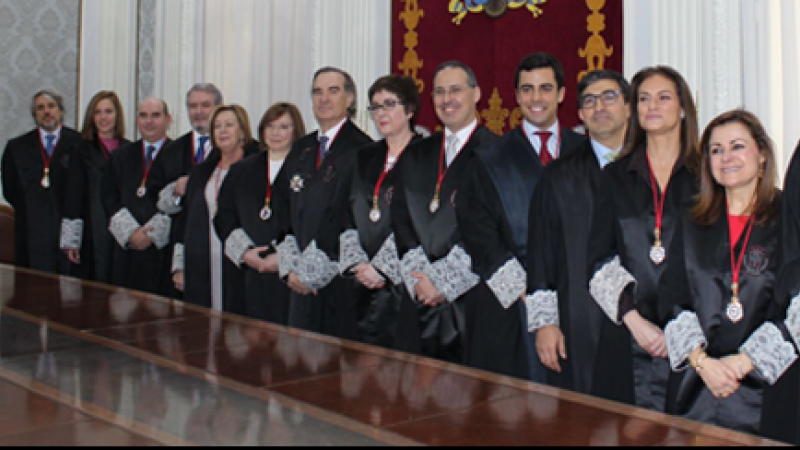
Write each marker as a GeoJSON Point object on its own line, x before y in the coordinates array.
{"type": "Point", "coordinates": [84, 232]}
{"type": "Point", "coordinates": [368, 248]}
{"type": "Point", "coordinates": [654, 184]}
{"type": "Point", "coordinates": [719, 290]}
{"type": "Point", "coordinates": [199, 267]}
{"type": "Point", "coordinates": [246, 220]}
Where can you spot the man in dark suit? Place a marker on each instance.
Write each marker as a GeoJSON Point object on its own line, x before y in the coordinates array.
{"type": "Point", "coordinates": [35, 172]}
{"type": "Point", "coordinates": [494, 218]}
{"type": "Point", "coordinates": [318, 173]}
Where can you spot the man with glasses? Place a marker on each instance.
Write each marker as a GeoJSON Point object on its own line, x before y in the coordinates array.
{"type": "Point", "coordinates": [435, 268]}
{"type": "Point", "coordinates": [572, 221]}
{"type": "Point", "coordinates": [493, 217]}
{"type": "Point", "coordinates": [317, 172]}
{"type": "Point", "coordinates": [35, 173]}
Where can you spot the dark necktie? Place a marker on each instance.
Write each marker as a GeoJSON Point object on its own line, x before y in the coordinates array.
{"type": "Point", "coordinates": [323, 148]}
{"type": "Point", "coordinates": [151, 151]}
{"type": "Point", "coordinates": [201, 150]}
{"type": "Point", "coordinates": [545, 156]}
{"type": "Point", "coordinates": [51, 140]}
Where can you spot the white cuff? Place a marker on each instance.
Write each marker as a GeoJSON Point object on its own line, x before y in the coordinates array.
{"type": "Point", "coordinates": [237, 245]}
{"type": "Point", "coordinates": [769, 352]}
{"type": "Point", "coordinates": [542, 309]}
{"type": "Point", "coordinates": [168, 202]}
{"type": "Point", "coordinates": [793, 320]}
{"type": "Point", "coordinates": [315, 270]}
{"type": "Point", "coordinates": [607, 287]}
{"type": "Point", "coordinates": [387, 262]}
{"type": "Point", "coordinates": [509, 283]}
{"type": "Point", "coordinates": [288, 256]}
{"type": "Point", "coordinates": [453, 276]}
{"type": "Point", "coordinates": [179, 259]}
{"type": "Point", "coordinates": [71, 234]}
{"type": "Point", "coordinates": [684, 336]}
{"type": "Point", "coordinates": [414, 261]}
{"type": "Point", "coordinates": [161, 225]}
{"type": "Point", "coordinates": [122, 227]}
{"type": "Point", "coordinates": [351, 253]}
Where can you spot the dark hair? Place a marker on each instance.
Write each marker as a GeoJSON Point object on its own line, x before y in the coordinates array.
{"type": "Point", "coordinates": [89, 131]}
{"type": "Point", "coordinates": [472, 79]}
{"type": "Point", "coordinates": [540, 60]}
{"type": "Point", "coordinates": [600, 75]}
{"type": "Point", "coordinates": [405, 88]}
{"type": "Point", "coordinates": [690, 130]}
{"type": "Point", "coordinates": [349, 86]}
{"type": "Point", "coordinates": [276, 112]}
{"type": "Point", "coordinates": [711, 202]}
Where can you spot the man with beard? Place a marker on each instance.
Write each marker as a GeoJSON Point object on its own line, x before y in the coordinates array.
{"type": "Point", "coordinates": [35, 172]}
{"type": "Point", "coordinates": [571, 221]}
{"type": "Point", "coordinates": [435, 268]}
{"type": "Point", "coordinates": [141, 231]}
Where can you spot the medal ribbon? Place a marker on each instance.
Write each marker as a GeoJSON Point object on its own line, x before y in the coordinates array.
{"type": "Point", "coordinates": [46, 159]}
{"type": "Point", "coordinates": [146, 166]}
{"type": "Point", "coordinates": [738, 261]}
{"type": "Point", "coordinates": [658, 203]}
{"type": "Point", "coordinates": [443, 169]}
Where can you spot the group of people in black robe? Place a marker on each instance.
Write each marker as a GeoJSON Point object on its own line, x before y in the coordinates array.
{"type": "Point", "coordinates": [643, 262]}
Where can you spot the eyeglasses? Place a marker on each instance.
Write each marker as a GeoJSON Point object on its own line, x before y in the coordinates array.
{"type": "Point", "coordinates": [388, 106]}
{"type": "Point", "coordinates": [609, 98]}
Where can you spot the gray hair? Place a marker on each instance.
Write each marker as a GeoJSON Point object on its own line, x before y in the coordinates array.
{"type": "Point", "coordinates": [208, 88]}
{"type": "Point", "coordinates": [472, 79]}
{"type": "Point", "coordinates": [52, 95]}
{"type": "Point", "coordinates": [349, 86]}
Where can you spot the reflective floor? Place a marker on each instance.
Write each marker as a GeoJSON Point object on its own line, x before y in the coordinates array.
{"type": "Point", "coordinates": [84, 364]}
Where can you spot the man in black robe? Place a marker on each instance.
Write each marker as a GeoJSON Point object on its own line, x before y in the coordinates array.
{"type": "Point", "coordinates": [35, 177]}
{"type": "Point", "coordinates": [142, 232]}
{"type": "Point", "coordinates": [571, 218]}
{"type": "Point", "coordinates": [494, 218]}
{"type": "Point", "coordinates": [436, 269]}
{"type": "Point", "coordinates": [317, 173]}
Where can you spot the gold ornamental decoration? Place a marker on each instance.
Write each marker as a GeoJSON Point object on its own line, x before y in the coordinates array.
{"type": "Point", "coordinates": [492, 8]}
{"type": "Point", "coordinates": [596, 50]}
{"type": "Point", "coordinates": [411, 64]}
{"type": "Point", "coordinates": [495, 116]}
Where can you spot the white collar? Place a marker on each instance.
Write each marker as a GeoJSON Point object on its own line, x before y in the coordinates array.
{"type": "Point", "coordinates": [43, 134]}
{"type": "Point", "coordinates": [463, 135]}
{"type": "Point", "coordinates": [333, 132]}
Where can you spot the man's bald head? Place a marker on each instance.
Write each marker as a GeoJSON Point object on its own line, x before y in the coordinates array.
{"type": "Point", "coordinates": [153, 119]}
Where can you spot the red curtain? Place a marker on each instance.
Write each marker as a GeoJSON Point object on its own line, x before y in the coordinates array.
{"type": "Point", "coordinates": [583, 34]}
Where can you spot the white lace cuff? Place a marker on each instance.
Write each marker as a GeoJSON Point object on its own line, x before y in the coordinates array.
{"type": "Point", "coordinates": [351, 253]}
{"type": "Point", "coordinates": [161, 225]}
{"type": "Point", "coordinates": [288, 256]}
{"type": "Point", "coordinates": [684, 336]}
{"type": "Point", "coordinates": [122, 227]}
{"type": "Point", "coordinates": [453, 276]}
{"type": "Point", "coordinates": [509, 283]}
{"type": "Point", "coordinates": [237, 245]}
{"type": "Point", "coordinates": [387, 262]}
{"type": "Point", "coordinates": [415, 261]}
{"type": "Point", "coordinates": [793, 320]}
{"type": "Point", "coordinates": [607, 287]}
{"type": "Point", "coordinates": [179, 259]}
{"type": "Point", "coordinates": [168, 202]}
{"type": "Point", "coordinates": [71, 234]}
{"type": "Point", "coordinates": [542, 309]}
{"type": "Point", "coordinates": [315, 269]}
{"type": "Point", "coordinates": [770, 353]}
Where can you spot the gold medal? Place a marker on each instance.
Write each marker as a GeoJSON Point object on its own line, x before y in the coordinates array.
{"type": "Point", "coordinates": [141, 192]}
{"type": "Point", "coordinates": [266, 212]}
{"type": "Point", "coordinates": [735, 309]}
{"type": "Point", "coordinates": [46, 179]}
{"type": "Point", "coordinates": [434, 208]}
{"type": "Point", "coordinates": [375, 216]}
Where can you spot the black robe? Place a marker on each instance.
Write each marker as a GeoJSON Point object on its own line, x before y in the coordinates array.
{"type": "Point", "coordinates": [317, 203]}
{"type": "Point", "coordinates": [633, 238]}
{"type": "Point", "coordinates": [38, 211]}
{"type": "Point", "coordinates": [698, 281]}
{"type": "Point", "coordinates": [433, 244]}
{"type": "Point", "coordinates": [191, 232]}
{"type": "Point", "coordinates": [494, 222]}
{"type": "Point", "coordinates": [781, 415]}
{"type": "Point", "coordinates": [149, 270]}
{"type": "Point", "coordinates": [571, 209]}
{"type": "Point", "coordinates": [241, 201]}
{"type": "Point", "coordinates": [372, 313]}
{"type": "Point", "coordinates": [85, 203]}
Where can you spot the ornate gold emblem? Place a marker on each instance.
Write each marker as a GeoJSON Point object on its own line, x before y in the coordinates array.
{"type": "Point", "coordinates": [492, 8]}
{"type": "Point", "coordinates": [495, 116]}
{"type": "Point", "coordinates": [596, 50]}
{"type": "Point", "coordinates": [411, 64]}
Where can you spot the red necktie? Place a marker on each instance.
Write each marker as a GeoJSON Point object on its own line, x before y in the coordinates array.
{"type": "Point", "coordinates": [545, 156]}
